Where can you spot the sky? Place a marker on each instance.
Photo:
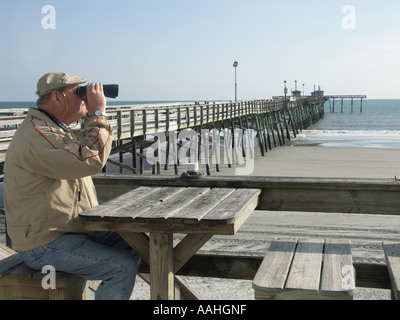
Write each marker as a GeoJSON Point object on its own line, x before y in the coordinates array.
{"type": "Point", "coordinates": [185, 49]}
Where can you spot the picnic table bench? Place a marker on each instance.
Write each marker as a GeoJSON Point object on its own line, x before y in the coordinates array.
{"type": "Point", "coordinates": [19, 282]}
{"type": "Point", "coordinates": [306, 269]}
{"type": "Point", "coordinates": [392, 256]}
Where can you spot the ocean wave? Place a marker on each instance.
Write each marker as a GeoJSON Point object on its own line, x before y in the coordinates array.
{"type": "Point", "coordinates": [352, 138]}
{"type": "Point", "coordinates": [335, 133]}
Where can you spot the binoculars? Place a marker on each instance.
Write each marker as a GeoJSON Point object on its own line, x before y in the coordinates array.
{"type": "Point", "coordinates": [110, 90]}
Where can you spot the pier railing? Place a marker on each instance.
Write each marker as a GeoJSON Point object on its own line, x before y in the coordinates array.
{"type": "Point", "coordinates": [272, 120]}
{"type": "Point", "coordinates": [135, 121]}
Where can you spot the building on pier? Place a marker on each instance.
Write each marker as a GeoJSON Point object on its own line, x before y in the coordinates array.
{"type": "Point", "coordinates": [317, 94]}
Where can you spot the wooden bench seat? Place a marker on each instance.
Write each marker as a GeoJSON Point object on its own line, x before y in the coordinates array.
{"type": "Point", "coordinates": [19, 282]}
{"type": "Point", "coordinates": [392, 256]}
{"type": "Point", "coordinates": [306, 269]}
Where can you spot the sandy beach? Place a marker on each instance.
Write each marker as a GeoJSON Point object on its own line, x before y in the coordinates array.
{"type": "Point", "coordinates": [365, 231]}
{"type": "Point", "coordinates": [333, 162]}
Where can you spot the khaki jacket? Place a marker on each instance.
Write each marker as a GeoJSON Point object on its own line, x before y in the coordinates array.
{"type": "Point", "coordinates": [47, 178]}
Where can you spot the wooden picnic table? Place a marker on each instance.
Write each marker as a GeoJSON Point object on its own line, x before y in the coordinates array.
{"type": "Point", "coordinates": [197, 212]}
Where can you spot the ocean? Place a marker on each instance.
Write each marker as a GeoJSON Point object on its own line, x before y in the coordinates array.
{"type": "Point", "coordinates": [378, 126]}
{"type": "Point", "coordinates": [11, 105]}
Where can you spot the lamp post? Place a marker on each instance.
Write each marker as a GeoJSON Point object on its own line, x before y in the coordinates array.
{"type": "Point", "coordinates": [235, 64]}
{"type": "Point", "coordinates": [285, 89]}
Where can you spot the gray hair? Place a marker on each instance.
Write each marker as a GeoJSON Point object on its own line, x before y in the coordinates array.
{"type": "Point", "coordinates": [44, 99]}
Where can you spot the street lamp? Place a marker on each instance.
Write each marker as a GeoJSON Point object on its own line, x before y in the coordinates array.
{"type": "Point", "coordinates": [285, 89]}
{"type": "Point", "coordinates": [235, 64]}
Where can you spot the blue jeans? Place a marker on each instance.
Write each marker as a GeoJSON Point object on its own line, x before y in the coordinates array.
{"type": "Point", "coordinates": [104, 256]}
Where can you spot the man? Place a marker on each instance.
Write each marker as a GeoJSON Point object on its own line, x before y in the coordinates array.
{"type": "Point", "coordinates": [47, 183]}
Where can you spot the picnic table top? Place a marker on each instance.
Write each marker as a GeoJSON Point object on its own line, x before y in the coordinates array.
{"type": "Point", "coordinates": [175, 209]}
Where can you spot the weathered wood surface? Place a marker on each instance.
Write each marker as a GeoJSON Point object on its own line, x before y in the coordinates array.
{"type": "Point", "coordinates": [364, 221]}
{"type": "Point", "coordinates": [338, 263]}
{"type": "Point", "coordinates": [392, 255]}
{"type": "Point", "coordinates": [375, 196]}
{"type": "Point", "coordinates": [305, 269]}
{"type": "Point", "coordinates": [163, 209]}
{"type": "Point", "coordinates": [143, 210]}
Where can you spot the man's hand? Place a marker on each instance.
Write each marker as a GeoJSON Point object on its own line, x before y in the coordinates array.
{"type": "Point", "coordinates": [95, 98]}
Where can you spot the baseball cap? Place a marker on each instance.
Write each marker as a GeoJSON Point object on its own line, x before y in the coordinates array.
{"type": "Point", "coordinates": [56, 80]}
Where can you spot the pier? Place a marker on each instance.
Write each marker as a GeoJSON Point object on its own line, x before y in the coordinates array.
{"type": "Point", "coordinates": [344, 97]}
{"type": "Point", "coordinates": [192, 130]}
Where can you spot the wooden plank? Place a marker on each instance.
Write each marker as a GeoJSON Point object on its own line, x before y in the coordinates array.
{"type": "Point", "coordinates": [123, 200]}
{"type": "Point", "coordinates": [235, 209]}
{"type": "Point", "coordinates": [161, 266]}
{"type": "Point", "coordinates": [183, 290]}
{"type": "Point", "coordinates": [377, 196]}
{"type": "Point", "coordinates": [174, 203]}
{"type": "Point", "coordinates": [5, 251]}
{"type": "Point", "coordinates": [133, 206]}
{"type": "Point", "coordinates": [221, 221]}
{"type": "Point", "coordinates": [139, 242]}
{"type": "Point", "coordinates": [131, 211]}
{"type": "Point", "coordinates": [132, 196]}
{"type": "Point", "coordinates": [8, 264]}
{"type": "Point", "coordinates": [165, 226]}
{"type": "Point", "coordinates": [368, 275]}
{"type": "Point", "coordinates": [198, 209]}
{"type": "Point", "coordinates": [7, 134]}
{"type": "Point", "coordinates": [338, 277]}
{"type": "Point", "coordinates": [305, 271]}
{"type": "Point", "coordinates": [392, 256]}
{"type": "Point", "coordinates": [272, 274]}
{"type": "Point", "coordinates": [187, 248]}
{"type": "Point", "coordinates": [234, 203]}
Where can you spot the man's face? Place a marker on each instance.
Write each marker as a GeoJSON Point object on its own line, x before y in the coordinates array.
{"type": "Point", "coordinates": [76, 104]}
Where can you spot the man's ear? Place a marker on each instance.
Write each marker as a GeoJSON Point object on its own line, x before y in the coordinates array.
{"type": "Point", "coordinates": [56, 96]}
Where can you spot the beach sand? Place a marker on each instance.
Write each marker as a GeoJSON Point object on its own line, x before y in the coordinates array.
{"type": "Point", "coordinates": [365, 231]}
{"type": "Point", "coordinates": [332, 162]}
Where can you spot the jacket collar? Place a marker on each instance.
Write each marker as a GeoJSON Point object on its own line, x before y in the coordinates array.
{"type": "Point", "coordinates": [55, 120]}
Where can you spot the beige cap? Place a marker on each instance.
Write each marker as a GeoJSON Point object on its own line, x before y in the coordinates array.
{"type": "Point", "coordinates": [56, 80]}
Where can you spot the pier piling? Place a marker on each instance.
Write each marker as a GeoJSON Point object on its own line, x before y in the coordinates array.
{"type": "Point", "coordinates": [345, 97]}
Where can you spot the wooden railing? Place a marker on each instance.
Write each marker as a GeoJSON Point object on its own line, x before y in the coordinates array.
{"type": "Point", "coordinates": [138, 120]}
